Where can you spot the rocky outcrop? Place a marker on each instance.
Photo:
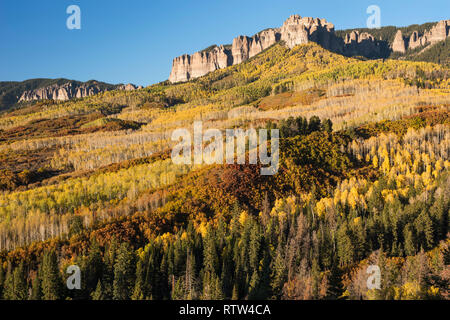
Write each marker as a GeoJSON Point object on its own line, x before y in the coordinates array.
{"type": "Point", "coordinates": [415, 41]}
{"type": "Point", "coordinates": [399, 44]}
{"type": "Point", "coordinates": [437, 33]}
{"type": "Point", "coordinates": [127, 87]}
{"type": "Point", "coordinates": [262, 41]}
{"type": "Point", "coordinates": [70, 90]}
{"type": "Point", "coordinates": [188, 67]}
{"type": "Point", "coordinates": [295, 30]}
{"type": "Point", "coordinates": [240, 49]}
{"type": "Point", "coordinates": [364, 44]}
{"type": "Point", "coordinates": [200, 63]}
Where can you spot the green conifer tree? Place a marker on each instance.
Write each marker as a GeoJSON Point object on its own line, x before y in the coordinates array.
{"type": "Point", "coordinates": [36, 289]}
{"type": "Point", "coordinates": [98, 293]}
{"type": "Point", "coordinates": [51, 279]}
{"type": "Point", "coordinates": [124, 273]}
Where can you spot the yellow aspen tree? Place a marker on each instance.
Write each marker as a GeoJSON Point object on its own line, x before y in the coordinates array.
{"type": "Point", "coordinates": [375, 162]}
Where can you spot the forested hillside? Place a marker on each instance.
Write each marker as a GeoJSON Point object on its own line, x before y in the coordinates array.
{"type": "Point", "coordinates": [362, 180]}
{"type": "Point", "coordinates": [437, 53]}
{"type": "Point", "coordinates": [11, 91]}
{"type": "Point", "coordinates": [387, 33]}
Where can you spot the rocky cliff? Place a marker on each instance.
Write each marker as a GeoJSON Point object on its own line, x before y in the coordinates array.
{"type": "Point", "coordinates": [364, 44]}
{"type": "Point", "coordinates": [300, 30]}
{"type": "Point", "coordinates": [294, 31]}
{"type": "Point", "coordinates": [437, 33]}
{"type": "Point", "coordinates": [200, 63]}
{"type": "Point", "coordinates": [70, 90]}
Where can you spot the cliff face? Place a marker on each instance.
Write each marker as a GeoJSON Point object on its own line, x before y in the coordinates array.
{"type": "Point", "coordinates": [297, 30]}
{"type": "Point", "coordinates": [437, 33]}
{"type": "Point", "coordinates": [188, 67]}
{"type": "Point", "coordinates": [399, 44]}
{"type": "Point", "coordinates": [356, 43]}
{"type": "Point", "coordinates": [294, 31]}
{"type": "Point", "coordinates": [70, 90]}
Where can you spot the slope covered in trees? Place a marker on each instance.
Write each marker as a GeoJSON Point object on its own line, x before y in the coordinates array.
{"type": "Point", "coordinates": [385, 38]}
{"type": "Point", "coordinates": [364, 169]}
{"type": "Point", "coordinates": [10, 91]}
{"type": "Point", "coordinates": [439, 53]}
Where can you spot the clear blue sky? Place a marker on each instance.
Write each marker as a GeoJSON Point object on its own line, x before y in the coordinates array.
{"type": "Point", "coordinates": [134, 41]}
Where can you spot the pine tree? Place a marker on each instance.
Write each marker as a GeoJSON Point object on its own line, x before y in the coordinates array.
{"type": "Point", "coordinates": [235, 295]}
{"type": "Point", "coordinates": [123, 273]}
{"type": "Point", "coordinates": [208, 286]}
{"type": "Point", "coordinates": [254, 247]}
{"type": "Point", "coordinates": [314, 124]}
{"type": "Point", "coordinates": [335, 286]}
{"type": "Point", "coordinates": [108, 272]}
{"type": "Point", "coordinates": [36, 289]}
{"type": "Point", "coordinates": [210, 261]}
{"type": "Point", "coordinates": [177, 289]}
{"type": "Point", "coordinates": [328, 126]}
{"type": "Point", "coordinates": [190, 280]}
{"type": "Point", "coordinates": [8, 287]}
{"type": "Point", "coordinates": [428, 231]}
{"type": "Point", "coordinates": [344, 245]}
{"type": "Point", "coordinates": [93, 267]}
{"type": "Point", "coordinates": [51, 280]}
{"type": "Point", "coordinates": [264, 289]}
{"type": "Point", "coordinates": [302, 125]}
{"type": "Point", "coordinates": [20, 283]}
{"type": "Point", "coordinates": [218, 293]}
{"type": "Point", "coordinates": [162, 290]}
{"type": "Point", "coordinates": [15, 284]}
{"type": "Point", "coordinates": [98, 293]}
{"type": "Point", "coordinates": [410, 247]}
{"type": "Point", "coordinates": [254, 286]}
{"type": "Point", "coordinates": [75, 225]}
{"type": "Point", "coordinates": [139, 287]}
{"type": "Point", "coordinates": [279, 272]}
{"type": "Point", "coordinates": [212, 287]}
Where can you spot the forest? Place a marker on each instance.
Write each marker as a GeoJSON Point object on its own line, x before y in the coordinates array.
{"type": "Point", "coordinates": [363, 180]}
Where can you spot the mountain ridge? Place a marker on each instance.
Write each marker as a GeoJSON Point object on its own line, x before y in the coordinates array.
{"type": "Point", "coordinates": [297, 30]}
{"type": "Point", "coordinates": [13, 92]}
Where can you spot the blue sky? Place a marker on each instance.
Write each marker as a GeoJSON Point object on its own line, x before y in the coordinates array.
{"type": "Point", "coordinates": [135, 41]}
